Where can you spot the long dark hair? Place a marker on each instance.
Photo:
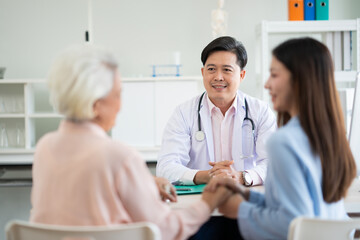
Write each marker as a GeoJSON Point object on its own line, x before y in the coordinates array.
{"type": "Point", "coordinates": [319, 111]}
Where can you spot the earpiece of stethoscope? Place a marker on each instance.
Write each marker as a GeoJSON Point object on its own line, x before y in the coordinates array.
{"type": "Point", "coordinates": [199, 136]}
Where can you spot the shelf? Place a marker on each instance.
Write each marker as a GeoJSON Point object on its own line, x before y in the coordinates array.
{"type": "Point", "coordinates": [309, 26]}
{"type": "Point", "coordinates": [16, 183]}
{"type": "Point", "coordinates": [25, 156]}
{"type": "Point", "coordinates": [21, 81]}
{"type": "Point", "coordinates": [277, 31]}
{"type": "Point", "coordinates": [124, 79]}
{"type": "Point", "coordinates": [162, 79]}
{"type": "Point", "coordinates": [12, 115]}
{"type": "Point", "coordinates": [38, 117]}
{"type": "Point", "coordinates": [45, 115]}
{"type": "Point", "coordinates": [345, 76]}
{"type": "Point", "coordinates": [4, 151]}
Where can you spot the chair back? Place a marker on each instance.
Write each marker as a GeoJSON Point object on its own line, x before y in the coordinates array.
{"type": "Point", "coordinates": [21, 230]}
{"type": "Point", "coordinates": [314, 229]}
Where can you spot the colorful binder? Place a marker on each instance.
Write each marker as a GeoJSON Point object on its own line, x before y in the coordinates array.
{"type": "Point", "coordinates": [322, 9]}
{"type": "Point", "coordinates": [296, 10]}
{"type": "Point", "coordinates": [309, 10]}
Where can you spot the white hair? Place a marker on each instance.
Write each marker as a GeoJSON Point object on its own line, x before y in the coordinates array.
{"type": "Point", "coordinates": [81, 75]}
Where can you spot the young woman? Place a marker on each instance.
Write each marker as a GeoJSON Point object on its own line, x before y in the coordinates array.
{"type": "Point", "coordinates": [311, 166]}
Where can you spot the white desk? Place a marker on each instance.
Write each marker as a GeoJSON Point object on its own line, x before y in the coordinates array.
{"type": "Point", "coordinates": [186, 200]}
{"type": "Point", "coordinates": [352, 200]}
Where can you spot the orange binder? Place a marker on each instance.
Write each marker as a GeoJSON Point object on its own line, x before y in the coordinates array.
{"type": "Point", "coordinates": [296, 10]}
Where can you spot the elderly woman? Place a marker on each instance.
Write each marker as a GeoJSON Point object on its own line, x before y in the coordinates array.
{"type": "Point", "coordinates": [83, 177]}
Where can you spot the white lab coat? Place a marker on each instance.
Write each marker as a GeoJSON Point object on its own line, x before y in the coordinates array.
{"type": "Point", "coordinates": [181, 155]}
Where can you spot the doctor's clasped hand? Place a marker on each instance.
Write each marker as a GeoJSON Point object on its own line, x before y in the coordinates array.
{"type": "Point", "coordinates": [225, 169]}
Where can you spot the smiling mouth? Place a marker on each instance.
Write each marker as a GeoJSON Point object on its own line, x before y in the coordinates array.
{"type": "Point", "coordinates": [219, 86]}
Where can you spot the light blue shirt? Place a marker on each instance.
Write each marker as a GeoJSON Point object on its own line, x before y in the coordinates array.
{"type": "Point", "coordinates": [292, 188]}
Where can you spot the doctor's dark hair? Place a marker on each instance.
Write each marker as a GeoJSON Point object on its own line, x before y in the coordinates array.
{"type": "Point", "coordinates": [319, 111]}
{"type": "Point", "coordinates": [228, 44]}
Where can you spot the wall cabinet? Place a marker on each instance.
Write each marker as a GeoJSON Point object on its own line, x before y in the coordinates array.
{"type": "Point", "coordinates": [271, 33]}
{"type": "Point", "coordinates": [342, 38]}
{"type": "Point", "coordinates": [147, 103]}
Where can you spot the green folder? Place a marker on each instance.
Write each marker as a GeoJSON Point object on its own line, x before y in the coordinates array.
{"type": "Point", "coordinates": [322, 9]}
{"type": "Point", "coordinates": [189, 189]}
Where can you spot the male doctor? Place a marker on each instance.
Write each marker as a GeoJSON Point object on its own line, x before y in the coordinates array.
{"type": "Point", "coordinates": [221, 132]}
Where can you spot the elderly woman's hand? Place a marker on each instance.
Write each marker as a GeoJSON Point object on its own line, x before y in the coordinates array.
{"type": "Point", "coordinates": [166, 190]}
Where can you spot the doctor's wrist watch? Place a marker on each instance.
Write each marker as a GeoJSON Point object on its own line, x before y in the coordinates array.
{"type": "Point", "coordinates": [247, 179]}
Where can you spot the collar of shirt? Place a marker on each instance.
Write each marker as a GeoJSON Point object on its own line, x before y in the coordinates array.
{"type": "Point", "coordinates": [213, 108]}
{"type": "Point", "coordinates": [83, 126]}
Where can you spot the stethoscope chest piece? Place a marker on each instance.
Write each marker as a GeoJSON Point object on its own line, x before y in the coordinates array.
{"type": "Point", "coordinates": [199, 136]}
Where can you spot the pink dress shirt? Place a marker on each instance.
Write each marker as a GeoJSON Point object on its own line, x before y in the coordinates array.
{"type": "Point", "coordinates": [222, 128]}
{"type": "Point", "coordinates": [83, 177]}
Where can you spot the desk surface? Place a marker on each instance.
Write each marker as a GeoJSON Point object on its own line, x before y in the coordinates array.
{"type": "Point", "coordinates": [186, 200]}
{"type": "Point", "coordinates": [352, 200]}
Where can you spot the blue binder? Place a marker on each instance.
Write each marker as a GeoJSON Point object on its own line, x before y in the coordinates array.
{"type": "Point", "coordinates": [309, 10]}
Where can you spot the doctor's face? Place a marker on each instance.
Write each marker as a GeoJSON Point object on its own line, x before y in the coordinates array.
{"type": "Point", "coordinates": [280, 87]}
{"type": "Point", "coordinates": [222, 76]}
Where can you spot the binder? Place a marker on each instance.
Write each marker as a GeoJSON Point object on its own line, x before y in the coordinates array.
{"type": "Point", "coordinates": [329, 42]}
{"type": "Point", "coordinates": [347, 63]}
{"type": "Point", "coordinates": [322, 9]}
{"type": "Point", "coordinates": [296, 10]}
{"type": "Point", "coordinates": [309, 10]}
{"type": "Point", "coordinates": [189, 189]}
{"type": "Point", "coordinates": [337, 51]}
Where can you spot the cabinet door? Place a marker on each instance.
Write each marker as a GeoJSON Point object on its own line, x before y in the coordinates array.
{"type": "Point", "coordinates": [34, 31]}
{"type": "Point", "coordinates": [168, 95]}
{"type": "Point", "coordinates": [135, 122]}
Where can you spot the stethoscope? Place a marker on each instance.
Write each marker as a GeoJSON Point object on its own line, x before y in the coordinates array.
{"type": "Point", "coordinates": [249, 129]}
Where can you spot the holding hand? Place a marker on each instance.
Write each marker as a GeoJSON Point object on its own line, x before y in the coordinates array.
{"type": "Point", "coordinates": [216, 198]}
{"type": "Point", "coordinates": [166, 190]}
{"type": "Point", "coordinates": [231, 206]}
{"type": "Point", "coordinates": [229, 183]}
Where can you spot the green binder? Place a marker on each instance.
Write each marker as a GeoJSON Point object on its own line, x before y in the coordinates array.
{"type": "Point", "coordinates": [322, 10]}
{"type": "Point", "coordinates": [189, 189]}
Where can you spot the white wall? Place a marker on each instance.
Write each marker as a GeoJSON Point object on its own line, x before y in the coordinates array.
{"type": "Point", "coordinates": [141, 32]}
